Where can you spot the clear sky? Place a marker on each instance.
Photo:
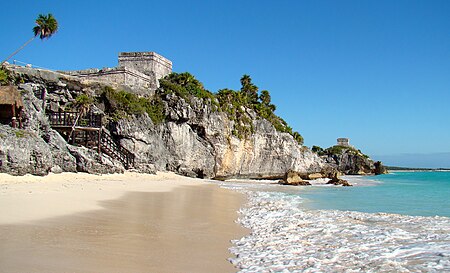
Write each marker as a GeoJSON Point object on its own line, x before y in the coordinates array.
{"type": "Point", "coordinates": [377, 72]}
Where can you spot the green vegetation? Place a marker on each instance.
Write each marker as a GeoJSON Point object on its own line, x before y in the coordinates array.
{"type": "Point", "coordinates": [82, 103]}
{"type": "Point", "coordinates": [3, 77]}
{"type": "Point", "coordinates": [120, 104]}
{"type": "Point", "coordinates": [318, 150]}
{"type": "Point", "coordinates": [46, 26]}
{"type": "Point", "coordinates": [239, 106]}
{"type": "Point", "coordinates": [337, 150]}
{"type": "Point", "coordinates": [185, 85]}
{"type": "Point", "coordinates": [21, 134]}
{"type": "Point", "coordinates": [155, 109]}
{"type": "Point", "coordinates": [249, 90]}
{"type": "Point", "coordinates": [234, 103]}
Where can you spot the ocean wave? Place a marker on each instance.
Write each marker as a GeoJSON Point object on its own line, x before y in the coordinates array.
{"type": "Point", "coordinates": [286, 237]}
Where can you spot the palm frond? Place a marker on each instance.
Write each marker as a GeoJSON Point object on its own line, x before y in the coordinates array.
{"type": "Point", "coordinates": [46, 26]}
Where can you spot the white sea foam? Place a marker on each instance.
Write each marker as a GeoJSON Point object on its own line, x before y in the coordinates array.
{"type": "Point", "coordinates": [288, 238]}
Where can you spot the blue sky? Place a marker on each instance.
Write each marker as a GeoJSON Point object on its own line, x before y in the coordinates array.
{"type": "Point", "coordinates": [377, 72]}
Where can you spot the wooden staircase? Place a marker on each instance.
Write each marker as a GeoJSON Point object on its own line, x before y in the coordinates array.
{"type": "Point", "coordinates": [88, 131]}
{"type": "Point", "coordinates": [115, 150]}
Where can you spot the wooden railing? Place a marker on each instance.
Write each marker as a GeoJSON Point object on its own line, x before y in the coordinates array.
{"type": "Point", "coordinates": [62, 121]}
{"type": "Point", "coordinates": [116, 150]}
{"type": "Point", "coordinates": [69, 118]}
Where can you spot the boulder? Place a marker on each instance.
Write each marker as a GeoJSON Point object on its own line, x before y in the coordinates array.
{"type": "Point", "coordinates": [335, 180]}
{"type": "Point", "coordinates": [313, 176]}
{"type": "Point", "coordinates": [379, 168]}
{"type": "Point", "coordinates": [293, 178]}
{"type": "Point", "coordinates": [339, 181]}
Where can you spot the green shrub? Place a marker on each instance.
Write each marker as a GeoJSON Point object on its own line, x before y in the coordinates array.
{"type": "Point", "coordinates": [317, 149]}
{"type": "Point", "coordinates": [186, 86]}
{"type": "Point", "coordinates": [156, 111]}
{"type": "Point", "coordinates": [233, 103]}
{"type": "Point", "coordinates": [120, 104]}
{"type": "Point", "coordinates": [338, 150]}
{"type": "Point", "coordinates": [335, 150]}
{"type": "Point", "coordinates": [3, 77]}
{"type": "Point", "coordinates": [298, 137]}
{"type": "Point", "coordinates": [21, 133]}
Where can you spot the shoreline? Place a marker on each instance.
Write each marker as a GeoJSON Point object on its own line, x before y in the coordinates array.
{"type": "Point", "coordinates": [120, 222]}
{"type": "Point", "coordinates": [289, 236]}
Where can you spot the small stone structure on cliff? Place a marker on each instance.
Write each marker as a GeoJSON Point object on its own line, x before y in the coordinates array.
{"type": "Point", "coordinates": [343, 141]}
{"type": "Point", "coordinates": [135, 69]}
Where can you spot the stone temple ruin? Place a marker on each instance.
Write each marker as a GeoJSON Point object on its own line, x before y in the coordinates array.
{"type": "Point", "coordinates": [140, 70]}
{"type": "Point", "coordinates": [343, 141]}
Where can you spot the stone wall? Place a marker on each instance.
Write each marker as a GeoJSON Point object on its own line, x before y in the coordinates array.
{"type": "Point", "coordinates": [118, 75]}
{"type": "Point", "coordinates": [146, 62]}
{"type": "Point", "coordinates": [343, 141]}
{"type": "Point", "coordinates": [138, 70]}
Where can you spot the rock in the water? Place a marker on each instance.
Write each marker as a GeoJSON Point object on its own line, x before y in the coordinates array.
{"type": "Point", "coordinates": [335, 180]}
{"type": "Point", "coordinates": [379, 168]}
{"type": "Point", "coordinates": [339, 181]}
{"type": "Point", "coordinates": [313, 176]}
{"type": "Point", "coordinates": [293, 178]}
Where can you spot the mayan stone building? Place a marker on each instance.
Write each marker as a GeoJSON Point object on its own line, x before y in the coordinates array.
{"type": "Point", "coordinates": [343, 141]}
{"type": "Point", "coordinates": [139, 70]}
{"type": "Point", "coordinates": [149, 63]}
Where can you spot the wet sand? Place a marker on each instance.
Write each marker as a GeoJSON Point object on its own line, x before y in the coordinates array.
{"type": "Point", "coordinates": [185, 229]}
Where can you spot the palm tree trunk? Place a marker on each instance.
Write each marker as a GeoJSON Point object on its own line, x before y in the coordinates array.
{"type": "Point", "coordinates": [17, 51]}
{"type": "Point", "coordinates": [73, 127]}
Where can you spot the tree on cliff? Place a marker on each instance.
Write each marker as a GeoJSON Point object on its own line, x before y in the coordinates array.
{"type": "Point", "coordinates": [249, 89]}
{"type": "Point", "coordinates": [82, 103]}
{"type": "Point", "coordinates": [46, 26]}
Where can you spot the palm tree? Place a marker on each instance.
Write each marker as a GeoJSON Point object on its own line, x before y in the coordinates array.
{"type": "Point", "coordinates": [46, 26]}
{"type": "Point", "coordinates": [82, 104]}
{"type": "Point", "coordinates": [249, 89]}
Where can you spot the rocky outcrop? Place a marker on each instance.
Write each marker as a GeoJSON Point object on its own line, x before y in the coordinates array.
{"type": "Point", "coordinates": [379, 168]}
{"type": "Point", "coordinates": [197, 141]}
{"type": "Point", "coordinates": [194, 140]}
{"type": "Point", "coordinates": [293, 178]}
{"type": "Point", "coordinates": [349, 161]}
{"type": "Point", "coordinates": [335, 180]}
{"type": "Point", "coordinates": [36, 148]}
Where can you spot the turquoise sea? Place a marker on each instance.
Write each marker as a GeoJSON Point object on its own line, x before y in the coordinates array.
{"type": "Point", "coordinates": [398, 222]}
{"type": "Point", "coordinates": [408, 193]}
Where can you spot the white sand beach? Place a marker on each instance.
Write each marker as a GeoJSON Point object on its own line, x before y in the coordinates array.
{"type": "Point", "coordinates": [116, 223]}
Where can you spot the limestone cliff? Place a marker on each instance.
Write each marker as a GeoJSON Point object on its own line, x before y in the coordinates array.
{"type": "Point", "coordinates": [350, 161]}
{"type": "Point", "coordinates": [197, 141]}
{"type": "Point", "coordinates": [194, 139]}
{"type": "Point", "coordinates": [37, 149]}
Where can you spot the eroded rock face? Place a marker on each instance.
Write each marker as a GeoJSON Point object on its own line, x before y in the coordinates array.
{"type": "Point", "coordinates": [195, 139]}
{"type": "Point", "coordinates": [379, 168]}
{"type": "Point", "coordinates": [351, 163]}
{"type": "Point", "coordinates": [266, 154]}
{"type": "Point", "coordinates": [37, 149]}
{"type": "Point", "coordinates": [23, 152]}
